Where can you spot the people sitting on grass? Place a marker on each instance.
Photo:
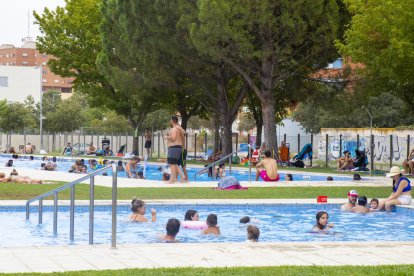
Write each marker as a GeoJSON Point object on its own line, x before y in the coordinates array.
{"type": "Point", "coordinates": [408, 164]}
{"type": "Point", "coordinates": [373, 205]}
{"type": "Point", "coordinates": [352, 199]}
{"type": "Point", "coordinates": [267, 168]}
{"type": "Point", "coordinates": [253, 233]}
{"type": "Point", "coordinates": [172, 228]}
{"type": "Point", "coordinates": [138, 208]}
{"type": "Point", "coordinates": [322, 225]}
{"type": "Point", "coordinates": [68, 150]}
{"type": "Point", "coordinates": [361, 207]}
{"type": "Point", "coordinates": [401, 190]}
{"type": "Point", "coordinates": [28, 149]}
{"type": "Point", "coordinates": [91, 149]}
{"type": "Point", "coordinates": [212, 227]}
{"type": "Point", "coordinates": [345, 163]}
{"type": "Point", "coordinates": [19, 179]}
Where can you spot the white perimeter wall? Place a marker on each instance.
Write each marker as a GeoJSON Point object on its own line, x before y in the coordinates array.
{"type": "Point", "coordinates": [22, 82]}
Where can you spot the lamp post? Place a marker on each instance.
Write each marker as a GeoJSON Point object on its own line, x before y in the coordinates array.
{"type": "Point", "coordinates": [370, 139]}
{"type": "Point", "coordinates": [41, 107]}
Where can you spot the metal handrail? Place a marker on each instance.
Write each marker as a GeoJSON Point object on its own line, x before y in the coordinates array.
{"type": "Point", "coordinates": [71, 185]}
{"type": "Point", "coordinates": [224, 158]}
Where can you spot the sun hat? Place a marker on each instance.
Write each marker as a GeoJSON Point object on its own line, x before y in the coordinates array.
{"type": "Point", "coordinates": [394, 171]}
{"type": "Point", "coordinates": [353, 193]}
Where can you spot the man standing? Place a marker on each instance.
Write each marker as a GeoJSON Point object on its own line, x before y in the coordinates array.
{"type": "Point", "coordinates": [148, 140]}
{"type": "Point", "coordinates": [28, 149]}
{"type": "Point", "coordinates": [267, 168]}
{"type": "Point", "coordinates": [175, 147]}
{"type": "Point", "coordinates": [352, 199]}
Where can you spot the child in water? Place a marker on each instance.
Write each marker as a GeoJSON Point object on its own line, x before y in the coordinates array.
{"type": "Point", "coordinates": [212, 226]}
{"type": "Point", "coordinates": [138, 209]}
{"type": "Point", "coordinates": [322, 224]}
{"type": "Point", "coordinates": [253, 233]}
{"type": "Point", "coordinates": [373, 205]}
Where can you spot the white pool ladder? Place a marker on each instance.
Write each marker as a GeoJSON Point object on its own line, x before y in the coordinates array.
{"type": "Point", "coordinates": [71, 185]}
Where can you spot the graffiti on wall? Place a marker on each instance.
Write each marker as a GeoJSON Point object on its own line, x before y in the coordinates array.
{"type": "Point", "coordinates": [383, 150]}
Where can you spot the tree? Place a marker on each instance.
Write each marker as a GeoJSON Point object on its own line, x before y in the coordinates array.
{"type": "Point", "coordinates": [68, 116]}
{"type": "Point", "coordinates": [71, 35]}
{"type": "Point", "coordinates": [15, 117]}
{"type": "Point", "coordinates": [152, 43]}
{"type": "Point", "coordinates": [380, 37]}
{"type": "Point", "coordinates": [267, 42]}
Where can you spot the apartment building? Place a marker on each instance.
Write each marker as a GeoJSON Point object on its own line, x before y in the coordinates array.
{"type": "Point", "coordinates": [28, 55]}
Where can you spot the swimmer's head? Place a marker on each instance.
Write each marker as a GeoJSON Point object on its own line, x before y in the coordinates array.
{"type": "Point", "coordinates": [120, 163]}
{"type": "Point", "coordinates": [138, 206]}
{"type": "Point", "coordinates": [140, 174]}
{"type": "Point", "coordinates": [289, 177]}
{"type": "Point", "coordinates": [374, 203]}
{"type": "Point", "coordinates": [322, 219]}
{"type": "Point", "coordinates": [212, 220]}
{"type": "Point", "coordinates": [329, 178]}
{"type": "Point", "coordinates": [253, 233]}
{"type": "Point", "coordinates": [191, 215]}
{"type": "Point", "coordinates": [362, 200]}
{"type": "Point", "coordinates": [173, 227]}
{"type": "Point", "coordinates": [245, 219]}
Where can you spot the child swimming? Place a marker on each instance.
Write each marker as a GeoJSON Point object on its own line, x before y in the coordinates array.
{"type": "Point", "coordinates": [322, 224]}
{"type": "Point", "coordinates": [212, 225]}
{"type": "Point", "coordinates": [138, 209]}
{"type": "Point", "coordinates": [373, 205]}
{"type": "Point", "coordinates": [253, 233]}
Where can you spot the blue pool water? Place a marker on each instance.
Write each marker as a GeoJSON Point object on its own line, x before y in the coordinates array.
{"type": "Point", "coordinates": [153, 173]}
{"type": "Point", "coordinates": [277, 223]}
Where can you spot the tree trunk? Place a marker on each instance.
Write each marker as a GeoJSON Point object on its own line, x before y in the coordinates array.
{"type": "Point", "coordinates": [259, 127]}
{"type": "Point", "coordinates": [135, 142]}
{"type": "Point", "coordinates": [184, 121]}
{"type": "Point", "coordinates": [268, 111]}
{"type": "Point", "coordinates": [216, 134]}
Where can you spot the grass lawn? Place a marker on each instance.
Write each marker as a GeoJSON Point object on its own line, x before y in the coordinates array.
{"type": "Point", "coordinates": [12, 191]}
{"type": "Point", "coordinates": [257, 271]}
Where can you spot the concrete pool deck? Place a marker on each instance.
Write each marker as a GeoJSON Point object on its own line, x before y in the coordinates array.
{"type": "Point", "coordinates": [106, 181]}
{"type": "Point", "coordinates": [100, 257]}
{"type": "Point", "coordinates": [160, 255]}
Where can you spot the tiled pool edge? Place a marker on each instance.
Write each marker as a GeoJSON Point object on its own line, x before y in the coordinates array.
{"type": "Point", "coordinates": [100, 257]}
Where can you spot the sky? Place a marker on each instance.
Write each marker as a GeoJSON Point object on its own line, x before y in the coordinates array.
{"type": "Point", "coordinates": [13, 18]}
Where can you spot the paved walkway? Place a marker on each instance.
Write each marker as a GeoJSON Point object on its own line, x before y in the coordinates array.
{"type": "Point", "coordinates": [106, 181]}
{"type": "Point", "coordinates": [99, 257]}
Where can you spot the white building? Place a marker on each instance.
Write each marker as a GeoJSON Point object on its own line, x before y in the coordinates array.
{"type": "Point", "coordinates": [18, 82]}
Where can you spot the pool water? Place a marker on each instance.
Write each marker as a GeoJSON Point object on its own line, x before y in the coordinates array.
{"type": "Point", "coordinates": [277, 223]}
{"type": "Point", "coordinates": [152, 171]}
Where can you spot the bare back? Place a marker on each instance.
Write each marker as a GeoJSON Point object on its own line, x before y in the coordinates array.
{"type": "Point", "coordinates": [270, 165]}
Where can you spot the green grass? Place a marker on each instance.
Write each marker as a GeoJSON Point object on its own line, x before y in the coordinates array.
{"type": "Point", "coordinates": [256, 271]}
{"type": "Point", "coordinates": [13, 191]}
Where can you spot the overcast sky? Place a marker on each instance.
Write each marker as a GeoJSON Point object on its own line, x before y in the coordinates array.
{"type": "Point", "coordinates": [13, 18]}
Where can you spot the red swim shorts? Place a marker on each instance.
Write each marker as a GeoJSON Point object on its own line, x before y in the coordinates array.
{"type": "Point", "coordinates": [266, 178]}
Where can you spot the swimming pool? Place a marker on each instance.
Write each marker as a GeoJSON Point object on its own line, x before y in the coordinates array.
{"type": "Point", "coordinates": [277, 223]}
{"type": "Point", "coordinates": [152, 171]}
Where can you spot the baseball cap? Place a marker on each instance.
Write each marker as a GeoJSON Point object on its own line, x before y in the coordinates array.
{"type": "Point", "coordinates": [353, 193]}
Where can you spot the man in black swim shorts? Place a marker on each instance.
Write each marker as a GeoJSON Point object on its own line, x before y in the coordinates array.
{"type": "Point", "coordinates": [148, 140]}
{"type": "Point", "coordinates": [175, 143]}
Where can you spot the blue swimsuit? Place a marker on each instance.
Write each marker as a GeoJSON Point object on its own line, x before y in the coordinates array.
{"type": "Point", "coordinates": [406, 189]}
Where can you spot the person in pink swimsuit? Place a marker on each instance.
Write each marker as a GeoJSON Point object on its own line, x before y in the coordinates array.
{"type": "Point", "coordinates": [267, 168]}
